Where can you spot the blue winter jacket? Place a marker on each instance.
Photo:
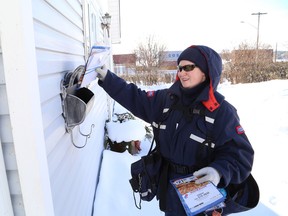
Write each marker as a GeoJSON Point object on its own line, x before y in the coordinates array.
{"type": "Point", "coordinates": [180, 139]}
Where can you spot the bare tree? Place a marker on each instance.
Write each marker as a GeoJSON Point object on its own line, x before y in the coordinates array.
{"type": "Point", "coordinates": [149, 59]}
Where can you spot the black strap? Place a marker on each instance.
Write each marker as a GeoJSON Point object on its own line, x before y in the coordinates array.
{"type": "Point", "coordinates": [163, 186]}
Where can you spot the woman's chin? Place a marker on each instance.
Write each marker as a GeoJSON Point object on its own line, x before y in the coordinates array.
{"type": "Point", "coordinates": [186, 85]}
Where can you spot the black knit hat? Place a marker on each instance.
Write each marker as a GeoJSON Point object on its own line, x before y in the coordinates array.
{"type": "Point", "coordinates": [194, 55]}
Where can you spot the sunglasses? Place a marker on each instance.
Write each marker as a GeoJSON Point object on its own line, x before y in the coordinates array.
{"type": "Point", "coordinates": [186, 68]}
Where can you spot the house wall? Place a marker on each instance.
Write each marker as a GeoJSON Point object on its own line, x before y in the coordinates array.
{"type": "Point", "coordinates": [60, 48]}
{"type": "Point", "coordinates": [60, 32]}
{"type": "Point", "coordinates": [6, 148]}
{"type": "Point", "coordinates": [20, 117]}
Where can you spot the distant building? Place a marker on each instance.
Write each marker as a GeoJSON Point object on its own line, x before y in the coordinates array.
{"type": "Point", "coordinates": [170, 60]}
{"type": "Point", "coordinates": [121, 59]}
{"type": "Point", "coordinates": [125, 63]}
{"type": "Point", "coordinates": [248, 56]}
{"type": "Point", "coordinates": [281, 56]}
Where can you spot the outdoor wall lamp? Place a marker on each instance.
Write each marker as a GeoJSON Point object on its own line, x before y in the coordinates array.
{"type": "Point", "coordinates": [106, 22]}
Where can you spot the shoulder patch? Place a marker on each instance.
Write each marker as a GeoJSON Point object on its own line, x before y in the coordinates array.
{"type": "Point", "coordinates": [240, 130]}
{"type": "Point", "coordinates": [150, 94]}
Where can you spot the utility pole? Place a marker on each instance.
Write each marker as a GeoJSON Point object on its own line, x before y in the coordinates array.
{"type": "Point", "coordinates": [258, 14]}
{"type": "Point", "coordinates": [275, 57]}
{"type": "Point", "coordinates": [257, 42]}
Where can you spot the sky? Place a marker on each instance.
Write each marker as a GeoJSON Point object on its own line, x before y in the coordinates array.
{"type": "Point", "coordinates": [263, 111]}
{"type": "Point", "coordinates": [179, 24]}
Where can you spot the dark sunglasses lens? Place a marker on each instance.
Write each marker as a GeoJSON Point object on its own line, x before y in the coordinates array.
{"type": "Point", "coordinates": [189, 67]}
{"type": "Point", "coordinates": [186, 68]}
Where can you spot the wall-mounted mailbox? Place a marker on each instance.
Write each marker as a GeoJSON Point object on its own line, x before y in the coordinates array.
{"type": "Point", "coordinates": [76, 102]}
{"type": "Point", "coordinates": [77, 105]}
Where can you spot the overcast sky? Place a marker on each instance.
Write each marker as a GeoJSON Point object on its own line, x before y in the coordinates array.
{"type": "Point", "coordinates": [181, 23]}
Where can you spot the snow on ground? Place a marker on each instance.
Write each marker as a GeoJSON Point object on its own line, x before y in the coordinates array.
{"type": "Point", "coordinates": [263, 110]}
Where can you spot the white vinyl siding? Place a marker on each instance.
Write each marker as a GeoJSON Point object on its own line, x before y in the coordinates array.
{"type": "Point", "coordinates": [73, 172]}
{"type": "Point", "coordinates": [60, 47]}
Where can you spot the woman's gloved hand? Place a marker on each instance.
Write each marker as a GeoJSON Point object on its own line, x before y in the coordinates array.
{"type": "Point", "coordinates": [207, 174]}
{"type": "Point", "coordinates": [101, 72]}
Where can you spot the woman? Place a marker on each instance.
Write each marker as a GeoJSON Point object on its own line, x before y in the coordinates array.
{"type": "Point", "coordinates": [226, 161]}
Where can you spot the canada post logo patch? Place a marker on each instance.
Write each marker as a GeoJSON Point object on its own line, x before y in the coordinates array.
{"type": "Point", "coordinates": [240, 130]}
{"type": "Point", "coordinates": [150, 94]}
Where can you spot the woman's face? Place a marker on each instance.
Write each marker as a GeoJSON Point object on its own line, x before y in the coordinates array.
{"type": "Point", "coordinates": [191, 78]}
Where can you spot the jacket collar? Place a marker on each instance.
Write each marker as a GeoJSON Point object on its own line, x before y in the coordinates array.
{"type": "Point", "coordinates": [206, 97]}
